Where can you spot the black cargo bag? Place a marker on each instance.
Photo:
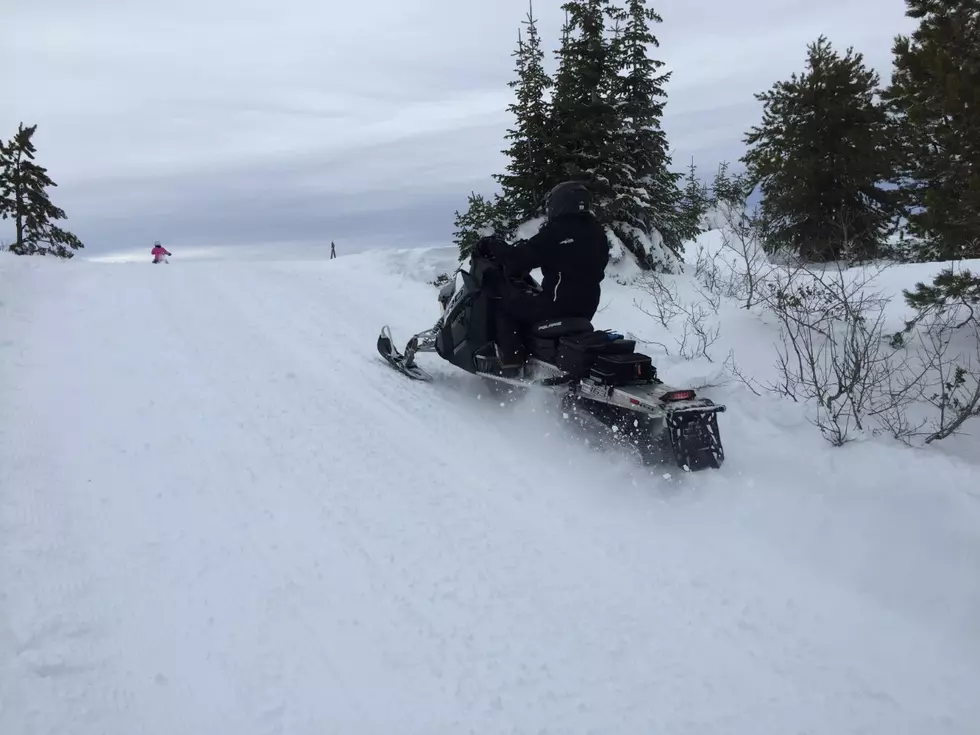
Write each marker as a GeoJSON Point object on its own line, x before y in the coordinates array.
{"type": "Point", "coordinates": [543, 348]}
{"type": "Point", "coordinates": [577, 352]}
{"type": "Point", "coordinates": [626, 369]}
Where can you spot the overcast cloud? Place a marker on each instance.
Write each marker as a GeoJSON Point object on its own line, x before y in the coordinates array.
{"type": "Point", "coordinates": [245, 121]}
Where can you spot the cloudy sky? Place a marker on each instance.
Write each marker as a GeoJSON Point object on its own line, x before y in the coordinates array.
{"type": "Point", "coordinates": [214, 122]}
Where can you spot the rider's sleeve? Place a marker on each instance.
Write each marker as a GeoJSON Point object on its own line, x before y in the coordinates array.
{"type": "Point", "coordinates": [532, 253]}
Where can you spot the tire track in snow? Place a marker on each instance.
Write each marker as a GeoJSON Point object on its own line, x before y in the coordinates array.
{"type": "Point", "coordinates": [225, 344]}
{"type": "Point", "coordinates": [238, 393]}
{"type": "Point", "coordinates": [54, 636]}
{"type": "Point", "coordinates": [381, 583]}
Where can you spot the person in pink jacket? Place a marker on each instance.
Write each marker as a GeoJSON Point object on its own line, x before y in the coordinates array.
{"type": "Point", "coordinates": [159, 252]}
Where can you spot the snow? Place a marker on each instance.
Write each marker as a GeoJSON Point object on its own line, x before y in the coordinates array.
{"type": "Point", "coordinates": [529, 229]}
{"type": "Point", "coordinates": [750, 335]}
{"type": "Point", "coordinates": [221, 512]}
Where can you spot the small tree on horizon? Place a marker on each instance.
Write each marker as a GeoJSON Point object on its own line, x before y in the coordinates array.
{"type": "Point", "coordinates": [23, 198]}
{"type": "Point", "coordinates": [695, 200]}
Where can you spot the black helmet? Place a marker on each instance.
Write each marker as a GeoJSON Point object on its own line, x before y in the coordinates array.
{"type": "Point", "coordinates": [568, 197]}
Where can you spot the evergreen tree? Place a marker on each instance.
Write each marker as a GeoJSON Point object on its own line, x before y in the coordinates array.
{"type": "Point", "coordinates": [584, 116]}
{"type": "Point", "coordinates": [948, 289]}
{"type": "Point", "coordinates": [820, 156]}
{"type": "Point", "coordinates": [695, 201]}
{"type": "Point", "coordinates": [482, 218]}
{"type": "Point", "coordinates": [935, 100]}
{"type": "Point", "coordinates": [526, 181]}
{"type": "Point", "coordinates": [601, 127]}
{"type": "Point", "coordinates": [605, 127]}
{"type": "Point", "coordinates": [730, 189]}
{"type": "Point", "coordinates": [23, 198]}
{"type": "Point", "coordinates": [649, 194]}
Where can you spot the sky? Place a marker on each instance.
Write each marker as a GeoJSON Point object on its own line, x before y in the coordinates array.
{"type": "Point", "coordinates": [239, 122]}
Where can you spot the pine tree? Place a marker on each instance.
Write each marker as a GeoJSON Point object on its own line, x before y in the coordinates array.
{"type": "Point", "coordinates": [605, 126]}
{"type": "Point", "coordinates": [650, 194]}
{"type": "Point", "coordinates": [935, 99]}
{"type": "Point", "coordinates": [730, 190]}
{"type": "Point", "coordinates": [482, 218]}
{"type": "Point", "coordinates": [600, 127]}
{"type": "Point", "coordinates": [584, 118]}
{"type": "Point", "coordinates": [526, 181]}
{"type": "Point", "coordinates": [948, 288]}
{"type": "Point", "coordinates": [23, 198]}
{"type": "Point", "coordinates": [694, 202]}
{"type": "Point", "coordinates": [820, 156]}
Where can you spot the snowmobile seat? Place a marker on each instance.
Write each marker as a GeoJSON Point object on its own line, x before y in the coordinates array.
{"type": "Point", "coordinates": [555, 328]}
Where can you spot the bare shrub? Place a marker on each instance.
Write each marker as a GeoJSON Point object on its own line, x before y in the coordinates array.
{"type": "Point", "coordinates": [940, 369]}
{"type": "Point", "coordinates": [832, 350]}
{"type": "Point", "coordinates": [698, 330]}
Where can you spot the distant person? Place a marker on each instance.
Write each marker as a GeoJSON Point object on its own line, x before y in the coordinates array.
{"type": "Point", "coordinates": [159, 253]}
{"type": "Point", "coordinates": [333, 251]}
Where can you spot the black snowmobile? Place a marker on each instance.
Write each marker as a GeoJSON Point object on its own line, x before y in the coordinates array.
{"type": "Point", "coordinates": [597, 374]}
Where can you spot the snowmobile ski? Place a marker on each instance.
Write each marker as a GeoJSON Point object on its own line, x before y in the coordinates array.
{"type": "Point", "coordinates": [401, 363]}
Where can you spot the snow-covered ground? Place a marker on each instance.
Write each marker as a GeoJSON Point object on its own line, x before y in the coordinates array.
{"type": "Point", "coordinates": [220, 512]}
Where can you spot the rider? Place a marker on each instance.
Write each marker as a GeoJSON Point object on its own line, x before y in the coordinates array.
{"type": "Point", "coordinates": [572, 251]}
{"type": "Point", "coordinates": [159, 252]}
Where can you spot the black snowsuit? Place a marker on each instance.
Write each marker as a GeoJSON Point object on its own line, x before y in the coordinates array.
{"type": "Point", "coordinates": [572, 251]}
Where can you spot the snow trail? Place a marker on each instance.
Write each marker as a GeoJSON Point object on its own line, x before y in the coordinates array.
{"type": "Point", "coordinates": [221, 512]}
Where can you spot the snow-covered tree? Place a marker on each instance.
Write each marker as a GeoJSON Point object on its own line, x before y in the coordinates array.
{"type": "Point", "coordinates": [584, 117]}
{"type": "Point", "coordinates": [606, 109]}
{"type": "Point", "coordinates": [526, 181]}
{"type": "Point", "coordinates": [600, 126]}
{"type": "Point", "coordinates": [650, 195]}
{"type": "Point", "coordinates": [23, 198]}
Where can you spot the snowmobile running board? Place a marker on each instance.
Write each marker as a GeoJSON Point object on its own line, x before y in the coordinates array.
{"type": "Point", "coordinates": [552, 382]}
{"type": "Point", "coordinates": [654, 399]}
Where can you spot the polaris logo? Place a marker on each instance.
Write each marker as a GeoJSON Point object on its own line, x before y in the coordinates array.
{"type": "Point", "coordinates": [567, 241]}
{"type": "Point", "coordinates": [549, 326]}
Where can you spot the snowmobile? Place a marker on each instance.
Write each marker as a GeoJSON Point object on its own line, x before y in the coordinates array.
{"type": "Point", "coordinates": [597, 374]}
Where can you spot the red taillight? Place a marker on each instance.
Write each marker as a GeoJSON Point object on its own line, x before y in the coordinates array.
{"type": "Point", "coordinates": [678, 395]}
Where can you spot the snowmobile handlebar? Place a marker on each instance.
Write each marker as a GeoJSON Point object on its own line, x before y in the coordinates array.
{"type": "Point", "coordinates": [521, 280]}
{"type": "Point", "coordinates": [481, 248]}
